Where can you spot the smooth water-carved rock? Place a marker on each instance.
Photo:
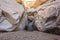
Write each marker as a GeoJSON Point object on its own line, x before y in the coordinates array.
{"type": "Point", "coordinates": [12, 13]}
{"type": "Point", "coordinates": [23, 22]}
{"type": "Point", "coordinates": [0, 12]}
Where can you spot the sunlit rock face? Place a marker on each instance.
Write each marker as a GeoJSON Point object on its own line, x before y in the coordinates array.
{"type": "Point", "coordinates": [28, 3]}
{"type": "Point", "coordinates": [39, 2]}
{"type": "Point", "coordinates": [31, 3]}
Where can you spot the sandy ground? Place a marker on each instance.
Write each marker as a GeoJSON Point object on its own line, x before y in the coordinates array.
{"type": "Point", "coordinates": [24, 35]}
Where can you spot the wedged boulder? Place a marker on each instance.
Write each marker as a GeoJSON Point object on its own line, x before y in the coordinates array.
{"type": "Point", "coordinates": [31, 12]}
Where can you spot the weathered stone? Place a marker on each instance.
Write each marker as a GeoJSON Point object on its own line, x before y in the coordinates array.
{"type": "Point", "coordinates": [14, 14]}
{"type": "Point", "coordinates": [46, 19]}
{"type": "Point", "coordinates": [12, 10]}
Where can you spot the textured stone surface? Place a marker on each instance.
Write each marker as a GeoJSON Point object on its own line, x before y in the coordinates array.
{"type": "Point", "coordinates": [23, 35]}
{"type": "Point", "coordinates": [47, 16]}
{"type": "Point", "coordinates": [44, 19]}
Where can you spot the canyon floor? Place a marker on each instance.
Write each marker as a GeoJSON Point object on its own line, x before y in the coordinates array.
{"type": "Point", "coordinates": [26, 35]}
